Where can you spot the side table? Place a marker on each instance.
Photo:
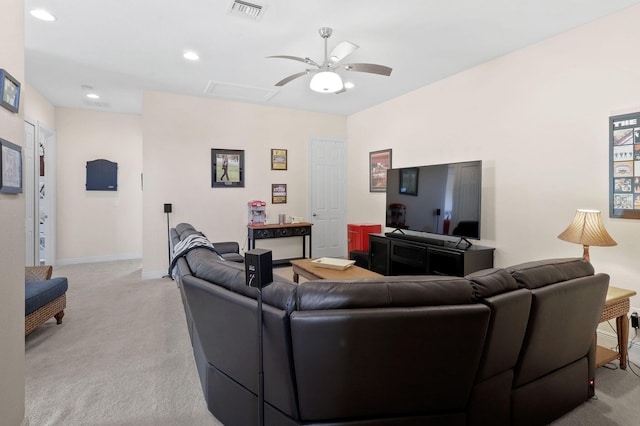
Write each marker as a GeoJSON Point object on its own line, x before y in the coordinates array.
{"type": "Point", "coordinates": [260, 232]}
{"type": "Point", "coordinates": [616, 306]}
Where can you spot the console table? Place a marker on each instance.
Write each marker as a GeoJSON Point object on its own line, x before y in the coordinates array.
{"type": "Point", "coordinates": [616, 306]}
{"type": "Point", "coordinates": [390, 255]}
{"type": "Point", "coordinates": [261, 232]}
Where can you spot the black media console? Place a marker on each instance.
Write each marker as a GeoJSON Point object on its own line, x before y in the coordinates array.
{"type": "Point", "coordinates": [398, 254]}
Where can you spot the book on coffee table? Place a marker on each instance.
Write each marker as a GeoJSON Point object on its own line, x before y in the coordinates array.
{"type": "Point", "coordinates": [331, 263]}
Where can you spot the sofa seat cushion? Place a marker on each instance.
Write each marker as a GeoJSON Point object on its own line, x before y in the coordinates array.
{"type": "Point", "coordinates": [398, 291]}
{"type": "Point", "coordinates": [39, 293]}
{"type": "Point", "coordinates": [545, 272]}
{"type": "Point", "coordinates": [233, 257]}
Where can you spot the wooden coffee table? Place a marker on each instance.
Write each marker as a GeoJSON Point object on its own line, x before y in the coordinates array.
{"type": "Point", "coordinates": [309, 271]}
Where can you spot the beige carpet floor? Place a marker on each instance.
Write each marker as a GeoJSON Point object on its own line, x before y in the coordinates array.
{"type": "Point", "coordinates": [122, 356]}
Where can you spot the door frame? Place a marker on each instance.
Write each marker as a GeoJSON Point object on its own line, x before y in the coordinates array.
{"type": "Point", "coordinates": [48, 138]}
{"type": "Point", "coordinates": [31, 176]}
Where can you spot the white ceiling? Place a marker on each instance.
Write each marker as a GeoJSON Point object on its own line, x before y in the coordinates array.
{"type": "Point", "coordinates": [122, 47]}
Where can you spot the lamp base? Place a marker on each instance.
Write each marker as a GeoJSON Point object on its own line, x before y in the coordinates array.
{"type": "Point", "coordinates": [585, 253]}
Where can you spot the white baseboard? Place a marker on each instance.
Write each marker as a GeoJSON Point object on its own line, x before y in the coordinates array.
{"type": "Point", "coordinates": [151, 275]}
{"type": "Point", "coordinates": [92, 259]}
{"type": "Point", "coordinates": [610, 340]}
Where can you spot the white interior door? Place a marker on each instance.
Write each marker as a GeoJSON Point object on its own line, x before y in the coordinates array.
{"type": "Point", "coordinates": [30, 188]}
{"type": "Point", "coordinates": [47, 194]}
{"type": "Point", "coordinates": [328, 197]}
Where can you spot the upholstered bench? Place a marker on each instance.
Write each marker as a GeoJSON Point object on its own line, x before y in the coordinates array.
{"type": "Point", "coordinates": [44, 297]}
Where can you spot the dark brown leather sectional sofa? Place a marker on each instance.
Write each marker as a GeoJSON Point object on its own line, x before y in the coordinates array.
{"type": "Point", "coordinates": [498, 347]}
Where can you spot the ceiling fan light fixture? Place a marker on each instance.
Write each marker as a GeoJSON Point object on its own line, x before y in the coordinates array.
{"type": "Point", "coordinates": [326, 82]}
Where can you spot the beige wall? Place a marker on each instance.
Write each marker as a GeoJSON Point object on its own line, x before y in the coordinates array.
{"type": "Point", "coordinates": [12, 232]}
{"type": "Point", "coordinates": [538, 119]}
{"type": "Point", "coordinates": [38, 108]}
{"type": "Point", "coordinates": [98, 225]}
{"type": "Point", "coordinates": [179, 133]}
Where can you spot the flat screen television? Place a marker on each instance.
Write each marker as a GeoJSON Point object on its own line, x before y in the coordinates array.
{"type": "Point", "coordinates": [441, 199]}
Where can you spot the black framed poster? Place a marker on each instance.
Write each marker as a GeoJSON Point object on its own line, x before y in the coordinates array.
{"type": "Point", "coordinates": [227, 168]}
{"type": "Point", "coordinates": [624, 166]}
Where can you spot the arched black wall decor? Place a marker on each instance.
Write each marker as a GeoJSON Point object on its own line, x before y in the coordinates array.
{"type": "Point", "coordinates": [102, 175]}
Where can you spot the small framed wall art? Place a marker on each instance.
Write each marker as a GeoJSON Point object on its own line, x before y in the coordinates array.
{"type": "Point", "coordinates": [279, 193]}
{"type": "Point", "coordinates": [10, 168]}
{"type": "Point", "coordinates": [278, 159]}
{"type": "Point", "coordinates": [9, 91]}
{"type": "Point", "coordinates": [227, 168]}
{"type": "Point", "coordinates": [379, 162]}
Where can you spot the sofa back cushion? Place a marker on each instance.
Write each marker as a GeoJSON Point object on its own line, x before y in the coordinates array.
{"type": "Point", "coordinates": [386, 361]}
{"type": "Point", "coordinates": [567, 301]}
{"type": "Point", "coordinates": [226, 324]}
{"type": "Point", "coordinates": [544, 272]}
{"type": "Point", "coordinates": [376, 347]}
{"type": "Point", "coordinates": [231, 275]}
{"type": "Point", "coordinates": [492, 282]}
{"type": "Point", "coordinates": [385, 292]}
{"type": "Point", "coordinates": [510, 307]}
{"type": "Point", "coordinates": [185, 229]}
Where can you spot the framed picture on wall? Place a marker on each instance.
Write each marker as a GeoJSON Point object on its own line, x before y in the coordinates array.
{"type": "Point", "coordinates": [624, 166]}
{"type": "Point", "coordinates": [379, 162]}
{"type": "Point", "coordinates": [279, 193]}
{"type": "Point", "coordinates": [9, 91]}
{"type": "Point", "coordinates": [227, 168]}
{"type": "Point", "coordinates": [278, 159]}
{"type": "Point", "coordinates": [10, 167]}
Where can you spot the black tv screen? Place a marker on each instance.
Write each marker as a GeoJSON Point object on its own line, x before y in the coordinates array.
{"type": "Point", "coordinates": [439, 199]}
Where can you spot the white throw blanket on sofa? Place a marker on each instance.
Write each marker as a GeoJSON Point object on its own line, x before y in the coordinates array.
{"type": "Point", "coordinates": [183, 247]}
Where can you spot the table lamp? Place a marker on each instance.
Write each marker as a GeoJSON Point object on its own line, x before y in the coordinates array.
{"type": "Point", "coordinates": [587, 229]}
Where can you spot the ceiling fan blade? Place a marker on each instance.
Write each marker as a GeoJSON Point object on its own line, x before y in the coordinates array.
{"type": "Point", "coordinates": [297, 58]}
{"type": "Point", "coordinates": [292, 77]}
{"type": "Point", "coordinates": [341, 51]}
{"type": "Point", "coordinates": [371, 68]}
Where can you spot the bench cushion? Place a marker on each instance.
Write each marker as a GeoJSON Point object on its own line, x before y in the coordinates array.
{"type": "Point", "coordinates": [39, 293]}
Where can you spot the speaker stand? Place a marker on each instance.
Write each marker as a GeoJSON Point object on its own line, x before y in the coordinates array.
{"type": "Point", "coordinates": [168, 250]}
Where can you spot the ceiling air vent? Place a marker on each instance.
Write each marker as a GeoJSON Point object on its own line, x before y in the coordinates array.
{"type": "Point", "coordinates": [245, 9]}
{"type": "Point", "coordinates": [239, 92]}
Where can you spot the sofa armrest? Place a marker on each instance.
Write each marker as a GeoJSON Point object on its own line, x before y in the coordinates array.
{"type": "Point", "coordinates": [227, 247]}
{"type": "Point", "coordinates": [37, 273]}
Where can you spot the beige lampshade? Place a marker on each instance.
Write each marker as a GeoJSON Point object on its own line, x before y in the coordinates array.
{"type": "Point", "coordinates": [587, 229]}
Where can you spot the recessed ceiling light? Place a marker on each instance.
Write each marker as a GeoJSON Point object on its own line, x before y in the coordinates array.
{"type": "Point", "coordinates": [43, 15]}
{"type": "Point", "coordinates": [93, 96]}
{"type": "Point", "coordinates": [191, 55]}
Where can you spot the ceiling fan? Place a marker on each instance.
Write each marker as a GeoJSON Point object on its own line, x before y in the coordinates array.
{"type": "Point", "coordinates": [325, 78]}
